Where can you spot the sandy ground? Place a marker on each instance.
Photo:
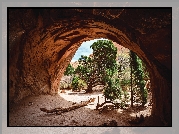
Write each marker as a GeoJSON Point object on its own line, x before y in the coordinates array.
{"type": "Point", "coordinates": [28, 113]}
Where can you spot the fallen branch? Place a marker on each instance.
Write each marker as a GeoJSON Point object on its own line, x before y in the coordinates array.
{"type": "Point", "coordinates": [62, 110]}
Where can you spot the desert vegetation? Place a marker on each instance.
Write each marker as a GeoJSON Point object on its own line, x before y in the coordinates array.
{"type": "Point", "coordinates": [121, 73]}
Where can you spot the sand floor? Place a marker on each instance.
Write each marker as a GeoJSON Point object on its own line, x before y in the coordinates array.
{"type": "Point", "coordinates": [27, 112]}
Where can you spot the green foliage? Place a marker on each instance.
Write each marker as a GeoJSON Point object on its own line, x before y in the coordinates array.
{"type": "Point", "coordinates": [138, 70]}
{"type": "Point", "coordinates": [125, 82]}
{"type": "Point", "coordinates": [112, 90]}
{"type": "Point", "coordinates": [102, 68]}
{"type": "Point", "coordinates": [124, 99]}
{"type": "Point", "coordinates": [69, 70]}
{"type": "Point", "coordinates": [93, 70]}
{"type": "Point", "coordinates": [75, 83]}
{"type": "Point", "coordinates": [81, 84]}
{"type": "Point", "coordinates": [105, 54]}
{"type": "Point", "coordinates": [84, 69]}
{"type": "Point", "coordinates": [86, 72]}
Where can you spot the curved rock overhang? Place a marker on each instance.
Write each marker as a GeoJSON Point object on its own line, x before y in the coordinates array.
{"type": "Point", "coordinates": [42, 43]}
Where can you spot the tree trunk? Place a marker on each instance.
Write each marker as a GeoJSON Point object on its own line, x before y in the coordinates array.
{"type": "Point", "coordinates": [89, 89]}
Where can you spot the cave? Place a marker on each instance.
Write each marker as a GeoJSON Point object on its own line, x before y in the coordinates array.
{"type": "Point", "coordinates": [42, 42]}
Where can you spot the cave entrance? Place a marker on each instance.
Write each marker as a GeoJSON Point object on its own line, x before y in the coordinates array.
{"type": "Point", "coordinates": [125, 75]}
{"type": "Point", "coordinates": [46, 45]}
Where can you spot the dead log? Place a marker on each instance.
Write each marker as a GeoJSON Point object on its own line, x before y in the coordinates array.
{"type": "Point", "coordinates": [62, 110]}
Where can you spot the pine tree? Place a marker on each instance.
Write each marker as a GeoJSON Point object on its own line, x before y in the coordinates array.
{"type": "Point", "coordinates": [139, 89]}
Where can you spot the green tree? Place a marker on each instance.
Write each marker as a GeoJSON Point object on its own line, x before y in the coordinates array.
{"type": "Point", "coordinates": [101, 68]}
{"type": "Point", "coordinates": [86, 71]}
{"type": "Point", "coordinates": [104, 53]}
{"type": "Point", "coordinates": [139, 83]}
{"type": "Point", "coordinates": [75, 83]}
{"type": "Point", "coordinates": [105, 56]}
{"type": "Point", "coordinates": [113, 90]}
{"type": "Point", "coordinates": [69, 70]}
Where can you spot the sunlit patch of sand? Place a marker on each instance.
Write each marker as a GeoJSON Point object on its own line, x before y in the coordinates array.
{"type": "Point", "coordinates": [81, 96]}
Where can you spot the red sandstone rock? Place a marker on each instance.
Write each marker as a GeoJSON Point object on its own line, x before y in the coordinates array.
{"type": "Point", "coordinates": [42, 43]}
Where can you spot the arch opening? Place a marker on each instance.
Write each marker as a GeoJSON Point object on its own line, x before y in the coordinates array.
{"type": "Point", "coordinates": [54, 45]}
{"type": "Point", "coordinates": [115, 35]}
{"type": "Point", "coordinates": [122, 53]}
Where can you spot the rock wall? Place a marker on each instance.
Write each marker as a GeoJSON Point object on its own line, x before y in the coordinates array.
{"type": "Point", "coordinates": [42, 43]}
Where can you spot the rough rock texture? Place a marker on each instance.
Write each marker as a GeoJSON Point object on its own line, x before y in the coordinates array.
{"type": "Point", "coordinates": [42, 43]}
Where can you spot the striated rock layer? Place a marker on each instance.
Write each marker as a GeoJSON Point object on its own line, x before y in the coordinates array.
{"type": "Point", "coordinates": [42, 43]}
